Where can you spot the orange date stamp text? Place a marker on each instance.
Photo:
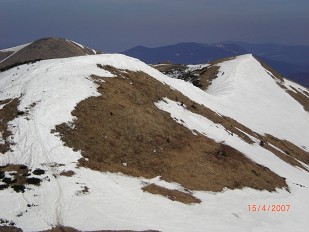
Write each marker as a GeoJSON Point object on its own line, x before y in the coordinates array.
{"type": "Point", "coordinates": [269, 207]}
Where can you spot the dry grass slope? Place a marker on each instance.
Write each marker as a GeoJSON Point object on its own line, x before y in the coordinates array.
{"type": "Point", "coordinates": [70, 229]}
{"type": "Point", "coordinates": [10, 229]}
{"type": "Point", "coordinates": [7, 114]}
{"type": "Point", "coordinates": [173, 195]}
{"type": "Point", "coordinates": [124, 126]}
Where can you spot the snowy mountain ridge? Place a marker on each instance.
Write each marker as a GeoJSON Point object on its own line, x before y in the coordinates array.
{"type": "Point", "coordinates": [245, 112]}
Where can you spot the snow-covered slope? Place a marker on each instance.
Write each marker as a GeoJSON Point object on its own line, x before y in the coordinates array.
{"type": "Point", "coordinates": [246, 92]}
{"type": "Point", "coordinates": [48, 91]}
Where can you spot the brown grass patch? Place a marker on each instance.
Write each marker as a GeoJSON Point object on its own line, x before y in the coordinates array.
{"type": "Point", "coordinates": [207, 75]}
{"type": "Point", "coordinates": [69, 173]}
{"type": "Point", "coordinates": [10, 229]}
{"type": "Point", "coordinates": [61, 229]}
{"type": "Point", "coordinates": [201, 78]}
{"type": "Point", "coordinates": [218, 61]}
{"type": "Point", "coordinates": [4, 55]}
{"type": "Point", "coordinates": [70, 229]}
{"type": "Point", "coordinates": [7, 114]}
{"type": "Point", "coordinates": [124, 126]}
{"type": "Point", "coordinates": [8, 226]}
{"type": "Point", "coordinates": [291, 151]}
{"type": "Point", "coordinates": [167, 68]}
{"type": "Point", "coordinates": [173, 195]}
{"type": "Point", "coordinates": [306, 93]}
{"type": "Point", "coordinates": [17, 176]}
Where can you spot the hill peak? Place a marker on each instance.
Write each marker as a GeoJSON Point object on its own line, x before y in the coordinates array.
{"type": "Point", "coordinates": [42, 49]}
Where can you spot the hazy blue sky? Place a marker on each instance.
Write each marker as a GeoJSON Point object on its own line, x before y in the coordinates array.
{"type": "Point", "coordinates": [115, 25]}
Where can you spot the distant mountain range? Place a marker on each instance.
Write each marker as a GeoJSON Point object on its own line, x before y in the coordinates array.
{"type": "Point", "coordinates": [291, 61]}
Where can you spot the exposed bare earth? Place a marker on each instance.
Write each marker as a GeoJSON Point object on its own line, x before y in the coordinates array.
{"type": "Point", "coordinates": [10, 229]}
{"type": "Point", "coordinates": [173, 195]}
{"type": "Point", "coordinates": [123, 126]}
{"type": "Point", "coordinates": [65, 229]}
{"type": "Point", "coordinates": [18, 177]}
{"type": "Point", "coordinates": [169, 67]}
{"type": "Point", "coordinates": [4, 55]}
{"type": "Point", "coordinates": [289, 151]}
{"type": "Point", "coordinates": [201, 78]}
{"type": "Point", "coordinates": [207, 75]}
{"type": "Point", "coordinates": [67, 173]}
{"type": "Point", "coordinates": [70, 229]}
{"type": "Point", "coordinates": [180, 72]}
{"type": "Point", "coordinates": [7, 114]}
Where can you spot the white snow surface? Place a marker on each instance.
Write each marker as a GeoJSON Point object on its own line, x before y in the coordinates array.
{"type": "Point", "coordinates": [114, 201]}
{"type": "Point", "coordinates": [248, 94]}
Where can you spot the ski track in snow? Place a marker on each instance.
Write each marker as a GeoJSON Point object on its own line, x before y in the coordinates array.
{"type": "Point", "coordinates": [115, 201]}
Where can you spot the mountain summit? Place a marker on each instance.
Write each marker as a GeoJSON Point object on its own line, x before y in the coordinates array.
{"type": "Point", "coordinates": [42, 49]}
{"type": "Point", "coordinates": [106, 142]}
